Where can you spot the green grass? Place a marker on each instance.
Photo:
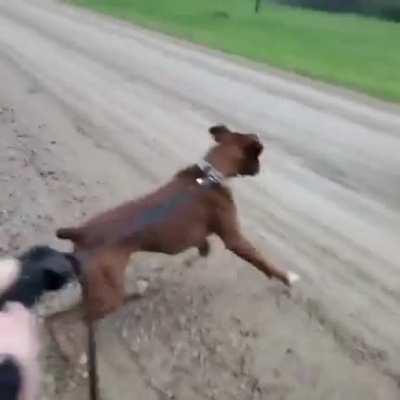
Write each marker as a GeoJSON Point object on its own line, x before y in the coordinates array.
{"type": "Point", "coordinates": [355, 52]}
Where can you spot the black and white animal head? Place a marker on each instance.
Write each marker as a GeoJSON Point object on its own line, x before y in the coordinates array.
{"type": "Point", "coordinates": [26, 278]}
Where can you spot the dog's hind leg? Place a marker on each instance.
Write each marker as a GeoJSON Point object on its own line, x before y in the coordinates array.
{"type": "Point", "coordinates": [204, 248]}
{"type": "Point", "coordinates": [106, 293]}
{"type": "Point", "coordinates": [106, 283]}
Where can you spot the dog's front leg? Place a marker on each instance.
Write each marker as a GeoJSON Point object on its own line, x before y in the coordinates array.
{"type": "Point", "coordinates": [245, 250]}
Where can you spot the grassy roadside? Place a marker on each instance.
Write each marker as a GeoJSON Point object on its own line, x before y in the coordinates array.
{"type": "Point", "coordinates": [355, 52]}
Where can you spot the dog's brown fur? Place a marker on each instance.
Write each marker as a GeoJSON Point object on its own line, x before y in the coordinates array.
{"type": "Point", "coordinates": [110, 238]}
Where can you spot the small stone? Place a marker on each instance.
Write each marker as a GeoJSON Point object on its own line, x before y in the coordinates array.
{"type": "Point", "coordinates": [142, 286]}
{"type": "Point", "coordinates": [83, 359]}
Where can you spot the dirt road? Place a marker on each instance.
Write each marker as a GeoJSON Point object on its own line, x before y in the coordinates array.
{"type": "Point", "coordinates": [93, 112]}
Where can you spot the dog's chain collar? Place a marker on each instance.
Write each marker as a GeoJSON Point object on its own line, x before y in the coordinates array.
{"type": "Point", "coordinates": [212, 175]}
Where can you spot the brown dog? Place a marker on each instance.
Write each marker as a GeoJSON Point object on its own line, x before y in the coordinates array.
{"type": "Point", "coordinates": [193, 205]}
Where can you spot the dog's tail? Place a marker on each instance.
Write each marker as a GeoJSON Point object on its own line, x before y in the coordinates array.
{"type": "Point", "coordinates": [73, 234]}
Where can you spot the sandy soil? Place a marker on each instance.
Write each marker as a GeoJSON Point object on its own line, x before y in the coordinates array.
{"type": "Point", "coordinates": [94, 111]}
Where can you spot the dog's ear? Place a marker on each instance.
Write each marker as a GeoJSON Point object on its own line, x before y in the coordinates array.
{"type": "Point", "coordinates": [220, 133]}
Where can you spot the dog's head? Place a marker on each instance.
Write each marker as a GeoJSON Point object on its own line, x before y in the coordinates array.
{"type": "Point", "coordinates": [236, 154]}
{"type": "Point", "coordinates": [26, 278]}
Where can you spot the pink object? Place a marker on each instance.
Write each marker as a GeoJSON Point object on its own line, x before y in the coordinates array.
{"type": "Point", "coordinates": [19, 338]}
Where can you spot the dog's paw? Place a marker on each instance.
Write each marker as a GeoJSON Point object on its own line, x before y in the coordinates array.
{"type": "Point", "coordinates": [292, 278]}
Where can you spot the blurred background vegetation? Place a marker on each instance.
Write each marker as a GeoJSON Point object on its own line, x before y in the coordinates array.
{"type": "Point", "coordinates": [385, 9]}
{"type": "Point", "coordinates": [349, 47]}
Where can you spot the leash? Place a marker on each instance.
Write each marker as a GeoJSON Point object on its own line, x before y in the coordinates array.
{"type": "Point", "coordinates": [91, 339]}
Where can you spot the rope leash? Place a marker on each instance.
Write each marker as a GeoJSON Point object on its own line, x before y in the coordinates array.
{"type": "Point", "coordinates": [91, 339]}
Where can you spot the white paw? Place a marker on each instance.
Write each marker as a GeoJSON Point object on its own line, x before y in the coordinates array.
{"type": "Point", "coordinates": [293, 277]}
{"type": "Point", "coordinates": [142, 286]}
